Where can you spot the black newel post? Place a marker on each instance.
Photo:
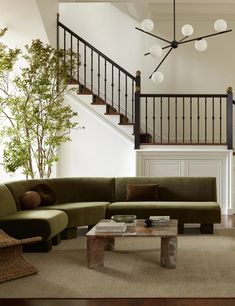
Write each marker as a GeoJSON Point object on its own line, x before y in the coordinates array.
{"type": "Point", "coordinates": [230, 118]}
{"type": "Point", "coordinates": [137, 111]}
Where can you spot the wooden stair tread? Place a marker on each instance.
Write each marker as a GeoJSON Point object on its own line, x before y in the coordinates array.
{"type": "Point", "coordinates": [113, 114]}
{"type": "Point", "coordinates": [98, 103]}
{"type": "Point", "coordinates": [125, 123]}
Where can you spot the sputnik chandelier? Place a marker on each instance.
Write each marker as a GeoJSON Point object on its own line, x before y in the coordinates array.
{"type": "Point", "coordinates": [147, 26]}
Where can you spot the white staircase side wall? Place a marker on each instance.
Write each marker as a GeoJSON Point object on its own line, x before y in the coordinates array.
{"type": "Point", "coordinates": [95, 150]}
{"type": "Point", "coordinates": [100, 110]}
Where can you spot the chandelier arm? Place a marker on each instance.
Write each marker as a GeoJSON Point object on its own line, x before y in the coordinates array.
{"type": "Point", "coordinates": [153, 35]}
{"type": "Point", "coordinates": [174, 18]}
{"type": "Point", "coordinates": [162, 49]}
{"type": "Point", "coordinates": [201, 37]}
{"type": "Point", "coordinates": [161, 62]}
{"type": "Point", "coordinates": [182, 39]}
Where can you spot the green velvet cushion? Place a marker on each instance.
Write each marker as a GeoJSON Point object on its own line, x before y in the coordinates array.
{"type": "Point", "coordinates": [186, 212]}
{"type": "Point", "coordinates": [142, 192]}
{"type": "Point", "coordinates": [83, 213]}
{"type": "Point", "coordinates": [195, 189]}
{"type": "Point", "coordinates": [29, 223]}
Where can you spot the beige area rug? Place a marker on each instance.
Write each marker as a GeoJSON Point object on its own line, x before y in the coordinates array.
{"type": "Point", "coordinates": [205, 268]}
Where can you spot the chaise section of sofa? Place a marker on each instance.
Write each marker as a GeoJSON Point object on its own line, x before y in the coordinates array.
{"type": "Point", "coordinates": [84, 200]}
{"type": "Point", "coordinates": [187, 199]}
{"type": "Point", "coordinates": [30, 223]}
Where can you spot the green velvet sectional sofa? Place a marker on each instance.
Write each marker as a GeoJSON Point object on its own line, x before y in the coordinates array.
{"type": "Point", "coordinates": [85, 201]}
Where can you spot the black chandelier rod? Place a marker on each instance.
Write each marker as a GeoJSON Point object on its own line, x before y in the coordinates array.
{"type": "Point", "coordinates": [174, 18]}
{"type": "Point", "coordinates": [201, 37]}
{"type": "Point", "coordinates": [161, 62]}
{"type": "Point", "coordinates": [154, 35]}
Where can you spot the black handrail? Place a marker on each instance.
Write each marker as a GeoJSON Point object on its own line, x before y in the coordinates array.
{"type": "Point", "coordinates": [96, 50]}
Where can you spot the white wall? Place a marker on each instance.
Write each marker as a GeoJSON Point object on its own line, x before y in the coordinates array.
{"type": "Point", "coordinates": [48, 11]}
{"type": "Point", "coordinates": [23, 20]}
{"type": "Point", "coordinates": [186, 70]}
{"type": "Point", "coordinates": [96, 150]}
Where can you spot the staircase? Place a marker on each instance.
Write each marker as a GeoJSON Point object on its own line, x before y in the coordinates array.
{"type": "Point", "coordinates": [154, 119]}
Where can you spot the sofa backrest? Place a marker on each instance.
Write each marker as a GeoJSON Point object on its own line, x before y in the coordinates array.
{"type": "Point", "coordinates": [68, 190]}
{"type": "Point", "coordinates": [7, 202]}
{"type": "Point", "coordinates": [196, 189]}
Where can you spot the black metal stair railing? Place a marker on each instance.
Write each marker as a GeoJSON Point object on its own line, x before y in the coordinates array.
{"type": "Point", "coordinates": [98, 74]}
{"type": "Point", "coordinates": [161, 119]}
{"type": "Point", "coordinates": [184, 119]}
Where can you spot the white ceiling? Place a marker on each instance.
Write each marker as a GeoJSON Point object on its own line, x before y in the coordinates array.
{"type": "Point", "coordinates": [156, 9]}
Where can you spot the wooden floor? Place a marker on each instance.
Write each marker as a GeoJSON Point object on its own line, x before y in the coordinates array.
{"type": "Point", "coordinates": [227, 222]}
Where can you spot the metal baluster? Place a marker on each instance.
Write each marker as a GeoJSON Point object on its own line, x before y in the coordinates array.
{"type": "Point", "coordinates": [105, 79]}
{"type": "Point", "coordinates": [154, 122]}
{"type": "Point", "coordinates": [71, 57]}
{"type": "Point", "coordinates": [176, 120]}
{"type": "Point", "coordinates": [112, 85]}
{"type": "Point", "coordinates": [146, 116]}
{"type": "Point", "coordinates": [220, 120]}
{"type": "Point", "coordinates": [119, 90]}
{"type": "Point", "coordinates": [98, 75]}
{"type": "Point", "coordinates": [168, 118]}
{"type": "Point", "coordinates": [213, 120]}
{"type": "Point", "coordinates": [183, 118]}
{"type": "Point", "coordinates": [78, 66]}
{"type": "Point", "coordinates": [190, 130]}
{"type": "Point", "coordinates": [198, 120]}
{"type": "Point", "coordinates": [85, 65]}
{"type": "Point", "coordinates": [92, 70]}
{"type": "Point", "coordinates": [64, 46]}
{"type": "Point", "coordinates": [126, 95]}
{"type": "Point", "coordinates": [206, 120]}
{"type": "Point", "coordinates": [132, 102]}
{"type": "Point", "coordinates": [161, 119]}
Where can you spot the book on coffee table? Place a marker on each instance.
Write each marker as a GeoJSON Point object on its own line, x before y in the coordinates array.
{"type": "Point", "coordinates": [159, 220]}
{"type": "Point", "coordinates": [110, 226]}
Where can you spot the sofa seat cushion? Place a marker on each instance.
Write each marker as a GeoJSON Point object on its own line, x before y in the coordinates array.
{"type": "Point", "coordinates": [29, 223]}
{"type": "Point", "coordinates": [186, 212]}
{"type": "Point", "coordinates": [81, 213]}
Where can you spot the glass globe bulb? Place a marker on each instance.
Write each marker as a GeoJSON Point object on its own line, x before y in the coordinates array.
{"type": "Point", "coordinates": [187, 30]}
{"type": "Point", "coordinates": [147, 25]}
{"type": "Point", "coordinates": [156, 51]}
{"type": "Point", "coordinates": [157, 77]}
{"type": "Point", "coordinates": [220, 25]}
{"type": "Point", "coordinates": [201, 45]}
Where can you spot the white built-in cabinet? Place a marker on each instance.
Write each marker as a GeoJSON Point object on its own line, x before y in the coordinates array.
{"type": "Point", "coordinates": [190, 161]}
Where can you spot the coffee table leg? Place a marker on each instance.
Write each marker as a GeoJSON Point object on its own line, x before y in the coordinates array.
{"type": "Point", "coordinates": [109, 244]}
{"type": "Point", "coordinates": [95, 252]}
{"type": "Point", "coordinates": [168, 252]}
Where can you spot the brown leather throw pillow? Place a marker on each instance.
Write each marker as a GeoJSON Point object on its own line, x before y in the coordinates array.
{"type": "Point", "coordinates": [30, 200]}
{"type": "Point", "coordinates": [142, 192]}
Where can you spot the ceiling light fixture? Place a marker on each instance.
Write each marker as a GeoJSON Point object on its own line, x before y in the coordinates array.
{"type": "Point", "coordinates": [147, 26]}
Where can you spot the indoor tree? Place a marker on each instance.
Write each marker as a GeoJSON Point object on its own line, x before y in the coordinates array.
{"type": "Point", "coordinates": [34, 119]}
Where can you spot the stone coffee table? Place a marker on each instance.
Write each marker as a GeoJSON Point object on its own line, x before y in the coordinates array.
{"type": "Point", "coordinates": [98, 242]}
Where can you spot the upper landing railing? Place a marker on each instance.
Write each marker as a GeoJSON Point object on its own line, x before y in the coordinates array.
{"type": "Point", "coordinates": [184, 119]}
{"type": "Point", "coordinates": [160, 119]}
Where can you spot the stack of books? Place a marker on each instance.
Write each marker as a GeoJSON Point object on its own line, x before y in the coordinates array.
{"type": "Point", "coordinates": [160, 220]}
{"type": "Point", "coordinates": [111, 226]}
